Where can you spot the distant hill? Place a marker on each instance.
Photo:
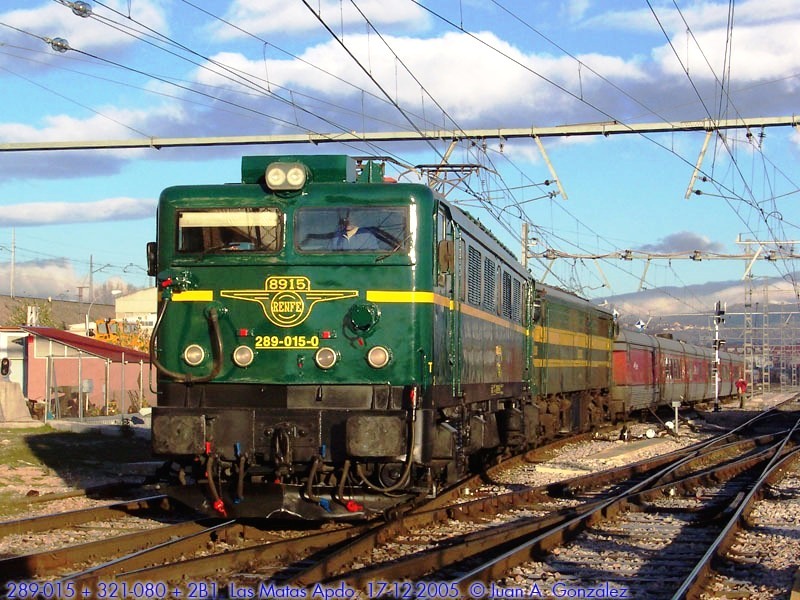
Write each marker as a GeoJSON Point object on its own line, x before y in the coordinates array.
{"type": "Point", "coordinates": [63, 312]}
{"type": "Point", "coordinates": [687, 312]}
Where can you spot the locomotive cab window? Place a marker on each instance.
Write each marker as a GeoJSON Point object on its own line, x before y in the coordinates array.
{"type": "Point", "coordinates": [230, 230]}
{"type": "Point", "coordinates": [352, 229]}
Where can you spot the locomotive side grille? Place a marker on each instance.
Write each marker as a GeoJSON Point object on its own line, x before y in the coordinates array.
{"type": "Point", "coordinates": [474, 277]}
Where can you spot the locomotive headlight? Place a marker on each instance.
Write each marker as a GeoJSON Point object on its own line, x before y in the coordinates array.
{"type": "Point", "coordinates": [378, 357]}
{"type": "Point", "coordinates": [275, 177]}
{"type": "Point", "coordinates": [325, 358]}
{"type": "Point", "coordinates": [285, 176]}
{"type": "Point", "coordinates": [193, 355]}
{"type": "Point", "coordinates": [296, 177]}
{"type": "Point", "coordinates": [243, 356]}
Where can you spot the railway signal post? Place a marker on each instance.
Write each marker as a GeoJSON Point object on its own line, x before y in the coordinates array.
{"type": "Point", "coordinates": [719, 312]}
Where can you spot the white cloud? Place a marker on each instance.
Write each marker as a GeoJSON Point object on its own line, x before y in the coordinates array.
{"type": "Point", "coordinates": [760, 52]}
{"type": "Point", "coordinates": [110, 124]}
{"type": "Point", "coordinates": [473, 83]}
{"type": "Point", "coordinates": [57, 279]}
{"type": "Point", "coordinates": [764, 42]}
{"type": "Point", "coordinates": [684, 241]}
{"type": "Point", "coordinates": [576, 9]}
{"type": "Point", "coordinates": [54, 20]}
{"type": "Point", "coordinates": [700, 16]}
{"type": "Point", "coordinates": [51, 213]}
{"type": "Point", "coordinates": [280, 17]}
{"type": "Point", "coordinates": [459, 86]}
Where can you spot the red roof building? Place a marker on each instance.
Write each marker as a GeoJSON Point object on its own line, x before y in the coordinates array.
{"type": "Point", "coordinates": [77, 376]}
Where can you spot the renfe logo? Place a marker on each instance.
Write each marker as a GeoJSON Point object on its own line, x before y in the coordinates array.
{"type": "Point", "coordinates": [287, 301]}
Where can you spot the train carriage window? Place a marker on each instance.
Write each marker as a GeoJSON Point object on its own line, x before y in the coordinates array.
{"type": "Point", "coordinates": [352, 229]}
{"type": "Point", "coordinates": [442, 226]}
{"type": "Point", "coordinates": [675, 369]}
{"type": "Point", "coordinates": [230, 230]}
{"type": "Point", "coordinates": [445, 247]}
{"type": "Point", "coordinates": [473, 276]}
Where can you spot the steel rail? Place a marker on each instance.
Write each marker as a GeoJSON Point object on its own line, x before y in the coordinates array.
{"type": "Point", "coordinates": [158, 569]}
{"type": "Point", "coordinates": [48, 562]}
{"type": "Point", "coordinates": [117, 510]}
{"type": "Point", "coordinates": [498, 539]}
{"type": "Point", "coordinates": [326, 570]}
{"type": "Point", "coordinates": [496, 568]}
{"type": "Point", "coordinates": [694, 582]}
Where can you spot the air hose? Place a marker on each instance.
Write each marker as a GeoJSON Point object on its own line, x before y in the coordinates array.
{"type": "Point", "coordinates": [216, 348]}
{"type": "Point", "coordinates": [310, 481]}
{"type": "Point", "coordinates": [403, 478]}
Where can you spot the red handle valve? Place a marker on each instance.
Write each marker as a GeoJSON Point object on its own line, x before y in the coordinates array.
{"type": "Point", "coordinates": [219, 506]}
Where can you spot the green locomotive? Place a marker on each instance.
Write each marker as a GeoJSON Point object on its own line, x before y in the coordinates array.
{"type": "Point", "coordinates": [331, 344]}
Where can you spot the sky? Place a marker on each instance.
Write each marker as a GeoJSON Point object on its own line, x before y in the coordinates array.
{"type": "Point", "coordinates": [138, 69]}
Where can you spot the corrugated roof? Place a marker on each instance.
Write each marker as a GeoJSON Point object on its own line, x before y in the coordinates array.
{"type": "Point", "coordinates": [89, 345]}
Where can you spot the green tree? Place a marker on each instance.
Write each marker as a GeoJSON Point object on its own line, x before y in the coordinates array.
{"type": "Point", "coordinates": [19, 313]}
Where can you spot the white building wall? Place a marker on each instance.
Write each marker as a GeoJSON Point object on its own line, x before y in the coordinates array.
{"type": "Point", "coordinates": [139, 306]}
{"type": "Point", "coordinates": [15, 353]}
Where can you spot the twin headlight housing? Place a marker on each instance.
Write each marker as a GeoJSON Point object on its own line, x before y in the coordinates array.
{"type": "Point", "coordinates": [282, 176]}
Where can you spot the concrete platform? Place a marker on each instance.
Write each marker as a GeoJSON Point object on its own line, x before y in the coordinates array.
{"type": "Point", "coordinates": [14, 411]}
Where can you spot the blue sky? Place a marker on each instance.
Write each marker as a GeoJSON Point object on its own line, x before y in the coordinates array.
{"type": "Point", "coordinates": [180, 68]}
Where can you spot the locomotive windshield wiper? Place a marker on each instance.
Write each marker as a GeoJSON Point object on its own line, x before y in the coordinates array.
{"type": "Point", "coordinates": [399, 246]}
{"type": "Point", "coordinates": [227, 247]}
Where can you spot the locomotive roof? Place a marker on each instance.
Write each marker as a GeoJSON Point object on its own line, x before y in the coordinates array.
{"type": "Point", "coordinates": [467, 222]}
{"type": "Point", "coordinates": [549, 291]}
{"type": "Point", "coordinates": [646, 339]}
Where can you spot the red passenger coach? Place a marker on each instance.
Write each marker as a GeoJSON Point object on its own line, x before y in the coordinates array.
{"type": "Point", "coordinates": [652, 371]}
{"type": "Point", "coordinates": [635, 373]}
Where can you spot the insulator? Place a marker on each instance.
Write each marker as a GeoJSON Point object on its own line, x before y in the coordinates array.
{"type": "Point", "coordinates": [82, 9]}
{"type": "Point", "coordinates": [59, 44]}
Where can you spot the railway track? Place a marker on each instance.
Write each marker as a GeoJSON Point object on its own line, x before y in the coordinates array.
{"type": "Point", "coordinates": [446, 544]}
{"type": "Point", "coordinates": [473, 563]}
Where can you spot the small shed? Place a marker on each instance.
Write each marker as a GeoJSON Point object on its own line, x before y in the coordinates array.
{"type": "Point", "coordinates": [77, 376]}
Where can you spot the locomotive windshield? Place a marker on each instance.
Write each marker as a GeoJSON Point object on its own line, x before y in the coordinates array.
{"type": "Point", "coordinates": [351, 229]}
{"type": "Point", "coordinates": [230, 230]}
